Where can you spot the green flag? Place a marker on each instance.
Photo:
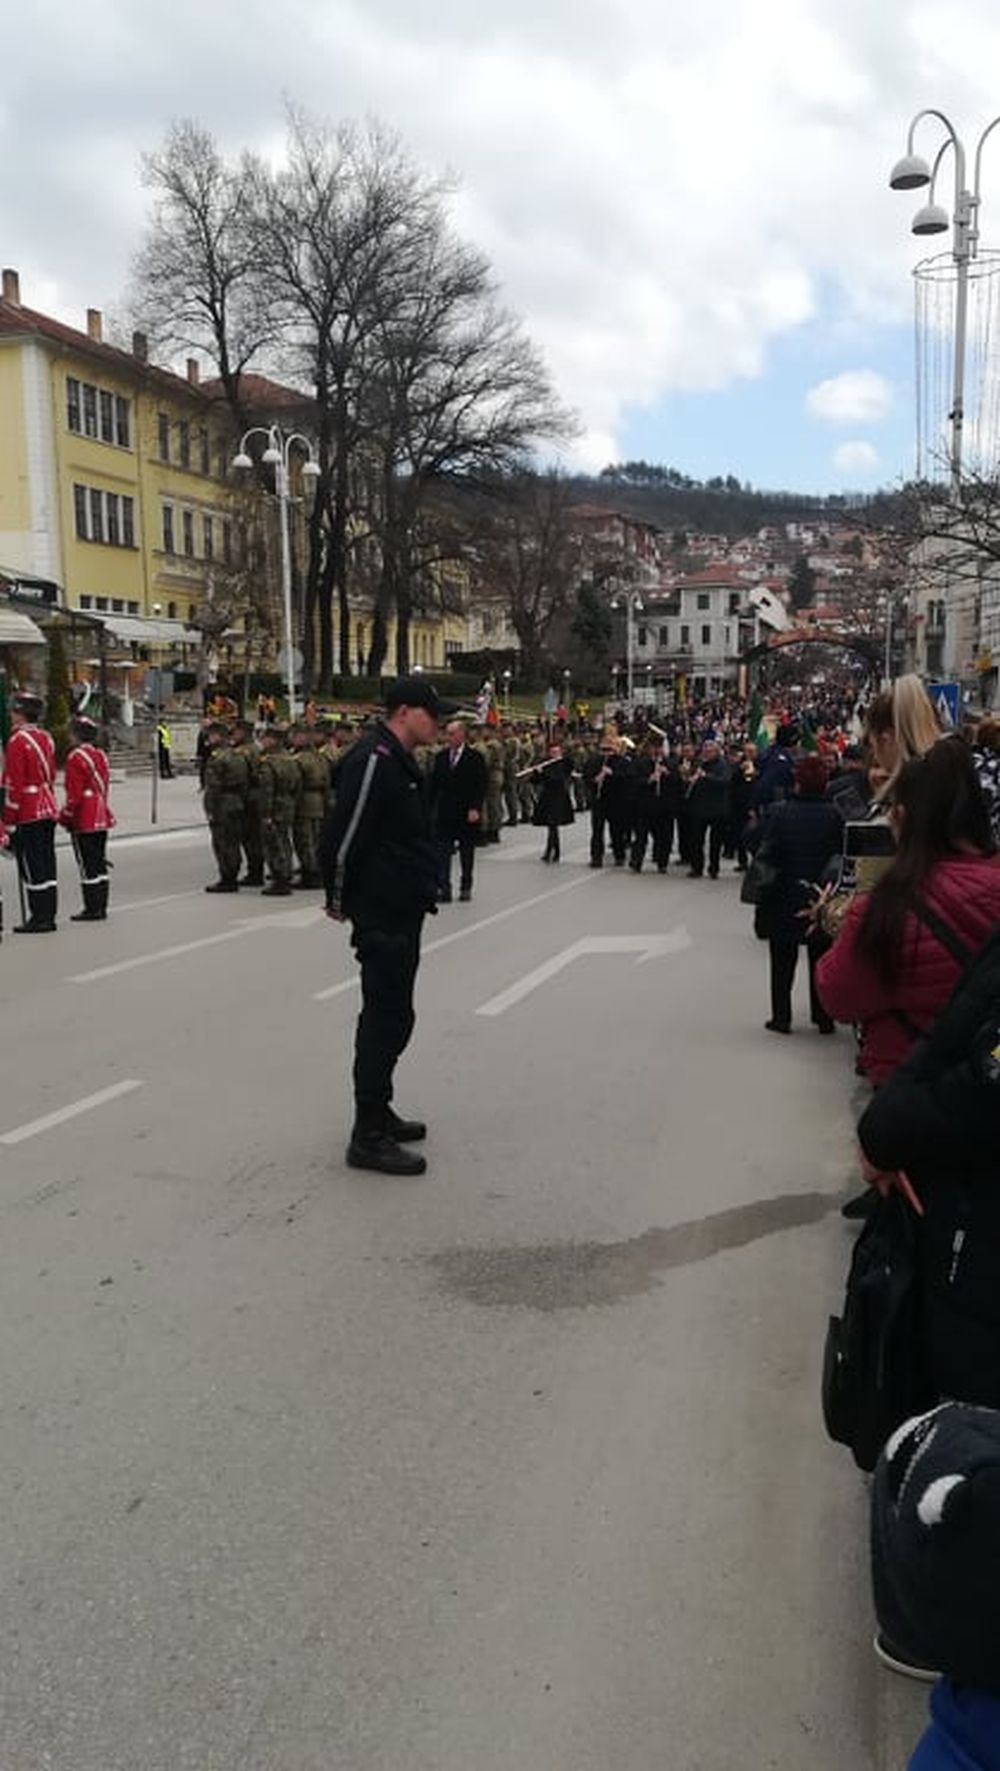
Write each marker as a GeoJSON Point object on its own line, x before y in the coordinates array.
{"type": "Point", "coordinates": [808, 739]}
{"type": "Point", "coordinates": [756, 728]}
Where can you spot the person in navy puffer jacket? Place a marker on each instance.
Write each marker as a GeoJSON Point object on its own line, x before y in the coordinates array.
{"type": "Point", "coordinates": [888, 970]}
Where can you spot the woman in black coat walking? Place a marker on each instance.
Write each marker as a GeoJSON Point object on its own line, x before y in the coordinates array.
{"type": "Point", "coordinates": [800, 838]}
{"type": "Point", "coordinates": [554, 806]}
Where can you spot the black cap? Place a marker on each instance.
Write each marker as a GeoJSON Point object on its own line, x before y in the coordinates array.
{"type": "Point", "coordinates": [416, 691]}
{"type": "Point", "coordinates": [27, 705]}
{"type": "Point", "coordinates": [88, 728]}
{"type": "Point", "coordinates": [935, 1541]}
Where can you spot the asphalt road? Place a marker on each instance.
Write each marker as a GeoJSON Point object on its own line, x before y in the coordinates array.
{"type": "Point", "coordinates": [515, 1466]}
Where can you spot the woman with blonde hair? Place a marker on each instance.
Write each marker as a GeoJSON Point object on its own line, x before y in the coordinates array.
{"type": "Point", "coordinates": [901, 727]}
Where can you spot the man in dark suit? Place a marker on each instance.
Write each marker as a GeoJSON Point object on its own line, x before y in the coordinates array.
{"type": "Point", "coordinates": [458, 789]}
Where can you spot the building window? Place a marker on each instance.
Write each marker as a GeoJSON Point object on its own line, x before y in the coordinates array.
{"type": "Point", "coordinates": [685, 637]}
{"type": "Point", "coordinates": [117, 605]}
{"type": "Point", "coordinates": [128, 522]}
{"type": "Point", "coordinates": [206, 458]}
{"type": "Point", "coordinates": [73, 403]}
{"type": "Point", "coordinates": [227, 541]}
{"type": "Point", "coordinates": [89, 410]}
{"type": "Point", "coordinates": [184, 442]}
{"type": "Point", "coordinates": [706, 635]}
{"type": "Point", "coordinates": [80, 512]}
{"type": "Point", "coordinates": [664, 636]}
{"type": "Point", "coordinates": [86, 602]}
{"type": "Point", "coordinates": [163, 437]}
{"type": "Point", "coordinates": [704, 600]}
{"type": "Point", "coordinates": [187, 524]}
{"type": "Point", "coordinates": [114, 536]}
{"type": "Point", "coordinates": [123, 428]}
{"type": "Point", "coordinates": [96, 514]}
{"type": "Point", "coordinates": [171, 611]}
{"type": "Point", "coordinates": [133, 608]}
{"type": "Point", "coordinates": [168, 528]}
{"type": "Point", "coordinates": [101, 603]}
{"type": "Point", "coordinates": [641, 636]}
{"type": "Point", "coordinates": [107, 411]}
{"type": "Point", "coordinates": [209, 538]}
{"type": "Point", "coordinates": [734, 602]}
{"type": "Point", "coordinates": [223, 468]}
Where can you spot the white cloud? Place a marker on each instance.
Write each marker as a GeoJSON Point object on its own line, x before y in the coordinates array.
{"type": "Point", "coordinates": [856, 462]}
{"type": "Point", "coordinates": [858, 396]}
{"type": "Point", "coordinates": [664, 190]}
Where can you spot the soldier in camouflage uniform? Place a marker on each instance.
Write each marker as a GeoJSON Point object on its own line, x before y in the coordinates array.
{"type": "Point", "coordinates": [525, 786]}
{"type": "Point", "coordinates": [227, 780]}
{"type": "Point", "coordinates": [250, 835]}
{"type": "Point", "coordinates": [314, 797]}
{"type": "Point", "coordinates": [279, 793]}
{"type": "Point", "coordinates": [493, 806]}
{"type": "Point", "coordinates": [511, 764]}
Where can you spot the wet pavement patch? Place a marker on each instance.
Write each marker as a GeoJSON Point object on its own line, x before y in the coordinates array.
{"type": "Point", "coordinates": [575, 1275]}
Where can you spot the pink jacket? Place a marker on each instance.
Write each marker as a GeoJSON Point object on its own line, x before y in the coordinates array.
{"type": "Point", "coordinates": [965, 892]}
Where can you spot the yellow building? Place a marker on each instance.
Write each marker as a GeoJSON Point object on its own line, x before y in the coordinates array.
{"type": "Point", "coordinates": [112, 474]}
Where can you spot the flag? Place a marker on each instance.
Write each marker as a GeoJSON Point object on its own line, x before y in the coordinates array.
{"type": "Point", "coordinates": [808, 739]}
{"type": "Point", "coordinates": [756, 729]}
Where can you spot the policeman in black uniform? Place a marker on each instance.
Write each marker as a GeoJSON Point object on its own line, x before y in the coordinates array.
{"type": "Point", "coordinates": [379, 865]}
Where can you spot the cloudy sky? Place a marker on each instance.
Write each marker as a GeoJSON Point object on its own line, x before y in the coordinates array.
{"type": "Point", "coordinates": [687, 202]}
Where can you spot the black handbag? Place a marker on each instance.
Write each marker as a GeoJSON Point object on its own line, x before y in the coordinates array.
{"type": "Point", "coordinates": [873, 1372]}
{"type": "Point", "coordinates": [760, 878]}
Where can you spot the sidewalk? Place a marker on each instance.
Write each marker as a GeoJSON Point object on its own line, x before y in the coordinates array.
{"type": "Point", "coordinates": [178, 805]}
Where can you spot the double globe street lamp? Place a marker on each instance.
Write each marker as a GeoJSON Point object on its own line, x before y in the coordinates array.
{"type": "Point", "coordinates": [278, 455]}
{"type": "Point", "coordinates": [631, 601]}
{"type": "Point", "coordinates": [913, 172]}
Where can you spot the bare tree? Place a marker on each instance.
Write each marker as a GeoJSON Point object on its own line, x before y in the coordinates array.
{"type": "Point", "coordinates": [528, 554]}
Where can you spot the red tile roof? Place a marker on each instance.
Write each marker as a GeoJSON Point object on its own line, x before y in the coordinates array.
{"type": "Point", "coordinates": [259, 390]}
{"type": "Point", "coordinates": [16, 320]}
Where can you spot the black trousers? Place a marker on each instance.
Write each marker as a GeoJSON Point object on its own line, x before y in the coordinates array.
{"type": "Point", "coordinates": [466, 844]}
{"type": "Point", "coordinates": [552, 849]}
{"type": "Point", "coordinates": [715, 830]}
{"type": "Point", "coordinates": [389, 959]}
{"type": "Point", "coordinates": [784, 961]}
{"type": "Point", "coordinates": [618, 828]}
{"type": "Point", "coordinates": [35, 848]}
{"type": "Point", "coordinates": [90, 848]}
{"type": "Point", "coordinates": [661, 830]}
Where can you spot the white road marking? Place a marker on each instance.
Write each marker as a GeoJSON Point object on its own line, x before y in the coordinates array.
{"type": "Point", "coordinates": [31, 1130]}
{"type": "Point", "coordinates": [151, 903]}
{"type": "Point", "coordinates": [646, 947]}
{"type": "Point", "coordinates": [472, 928]}
{"type": "Point", "coordinates": [290, 919]}
{"type": "Point", "coordinates": [189, 836]}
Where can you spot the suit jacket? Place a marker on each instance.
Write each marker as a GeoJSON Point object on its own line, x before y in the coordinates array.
{"type": "Point", "coordinates": [456, 790]}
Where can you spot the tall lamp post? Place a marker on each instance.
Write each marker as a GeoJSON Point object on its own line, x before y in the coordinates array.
{"type": "Point", "coordinates": [913, 173]}
{"type": "Point", "coordinates": [631, 602]}
{"type": "Point", "coordinates": [277, 455]}
{"type": "Point", "coordinates": [508, 673]}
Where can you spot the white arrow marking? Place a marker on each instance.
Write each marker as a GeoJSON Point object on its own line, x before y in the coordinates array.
{"type": "Point", "coordinates": [646, 947]}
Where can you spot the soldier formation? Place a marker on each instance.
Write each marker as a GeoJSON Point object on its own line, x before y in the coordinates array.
{"type": "Point", "coordinates": [30, 813]}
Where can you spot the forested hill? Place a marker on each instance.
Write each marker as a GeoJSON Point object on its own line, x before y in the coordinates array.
{"type": "Point", "coordinates": [719, 506]}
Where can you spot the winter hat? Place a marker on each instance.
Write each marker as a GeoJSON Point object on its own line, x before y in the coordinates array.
{"type": "Point", "coordinates": [936, 1542]}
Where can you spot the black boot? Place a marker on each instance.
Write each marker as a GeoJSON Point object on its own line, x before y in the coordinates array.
{"type": "Point", "coordinates": [223, 885]}
{"type": "Point", "coordinates": [277, 889]}
{"type": "Point", "coordinates": [404, 1131]}
{"type": "Point", "coordinates": [383, 1155]}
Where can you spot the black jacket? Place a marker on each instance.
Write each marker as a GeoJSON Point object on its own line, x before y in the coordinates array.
{"type": "Point", "coordinates": [659, 790]}
{"type": "Point", "coordinates": [938, 1119]}
{"type": "Point", "coordinates": [554, 805]}
{"type": "Point", "coordinates": [456, 790]}
{"type": "Point", "coordinates": [376, 852]}
{"type": "Point", "coordinates": [612, 795]}
{"type": "Point", "coordinates": [708, 794]}
{"type": "Point", "coordinates": [800, 837]}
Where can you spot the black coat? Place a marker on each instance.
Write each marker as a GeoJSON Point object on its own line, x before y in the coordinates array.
{"type": "Point", "coordinates": [937, 1118]}
{"type": "Point", "coordinates": [378, 859]}
{"type": "Point", "coordinates": [554, 805]}
{"type": "Point", "coordinates": [800, 838]}
{"type": "Point", "coordinates": [613, 794]}
{"type": "Point", "coordinates": [456, 790]}
{"type": "Point", "coordinates": [708, 795]}
{"type": "Point", "coordinates": [659, 789]}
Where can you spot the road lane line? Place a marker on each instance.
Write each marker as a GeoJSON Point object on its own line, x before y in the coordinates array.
{"type": "Point", "coordinates": [31, 1130]}
{"type": "Point", "coordinates": [141, 959]}
{"type": "Point", "coordinates": [641, 948]}
{"type": "Point", "coordinates": [152, 903]}
{"type": "Point", "coordinates": [473, 928]}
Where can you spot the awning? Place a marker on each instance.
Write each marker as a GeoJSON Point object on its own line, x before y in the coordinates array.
{"type": "Point", "coordinates": [136, 630]}
{"type": "Point", "coordinates": [19, 630]}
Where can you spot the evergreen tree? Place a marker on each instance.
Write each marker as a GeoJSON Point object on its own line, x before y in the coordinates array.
{"type": "Point", "coordinates": [58, 693]}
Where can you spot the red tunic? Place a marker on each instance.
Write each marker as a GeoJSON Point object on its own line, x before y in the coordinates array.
{"type": "Point", "coordinates": [87, 784]}
{"type": "Point", "coordinates": [29, 773]}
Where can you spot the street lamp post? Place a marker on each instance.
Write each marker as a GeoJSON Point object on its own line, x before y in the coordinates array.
{"type": "Point", "coordinates": [157, 706]}
{"type": "Point", "coordinates": [913, 173]}
{"type": "Point", "coordinates": [567, 681]}
{"type": "Point", "coordinates": [277, 455]}
{"type": "Point", "coordinates": [632, 602]}
{"type": "Point", "coordinates": [508, 673]}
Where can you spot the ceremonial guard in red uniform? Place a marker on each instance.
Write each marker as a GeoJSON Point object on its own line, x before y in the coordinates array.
{"type": "Point", "coordinates": [30, 812]}
{"type": "Point", "coordinates": [88, 817]}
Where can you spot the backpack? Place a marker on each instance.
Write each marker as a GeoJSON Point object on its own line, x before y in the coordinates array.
{"type": "Point", "coordinates": [873, 1377]}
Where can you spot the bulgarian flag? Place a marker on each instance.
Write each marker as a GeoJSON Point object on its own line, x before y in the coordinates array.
{"type": "Point", "coordinates": [756, 728]}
